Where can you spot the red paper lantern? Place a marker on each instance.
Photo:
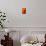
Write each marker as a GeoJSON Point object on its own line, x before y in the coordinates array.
{"type": "Point", "coordinates": [23, 10]}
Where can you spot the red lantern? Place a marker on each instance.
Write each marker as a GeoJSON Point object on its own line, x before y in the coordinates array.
{"type": "Point", "coordinates": [23, 10]}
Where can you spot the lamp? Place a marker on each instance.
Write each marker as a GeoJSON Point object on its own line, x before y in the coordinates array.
{"type": "Point", "coordinates": [23, 10]}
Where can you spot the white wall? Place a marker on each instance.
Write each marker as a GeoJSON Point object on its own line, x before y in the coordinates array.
{"type": "Point", "coordinates": [12, 7]}
{"type": "Point", "coordinates": [36, 22]}
{"type": "Point", "coordinates": [39, 13]}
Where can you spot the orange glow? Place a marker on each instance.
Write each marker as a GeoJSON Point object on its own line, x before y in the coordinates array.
{"type": "Point", "coordinates": [23, 10]}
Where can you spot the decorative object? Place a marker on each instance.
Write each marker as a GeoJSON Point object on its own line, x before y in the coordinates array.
{"type": "Point", "coordinates": [2, 19]}
{"type": "Point", "coordinates": [8, 41]}
{"type": "Point", "coordinates": [7, 30]}
{"type": "Point", "coordinates": [23, 10]}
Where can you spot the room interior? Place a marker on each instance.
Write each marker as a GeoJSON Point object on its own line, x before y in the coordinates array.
{"type": "Point", "coordinates": [22, 23]}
